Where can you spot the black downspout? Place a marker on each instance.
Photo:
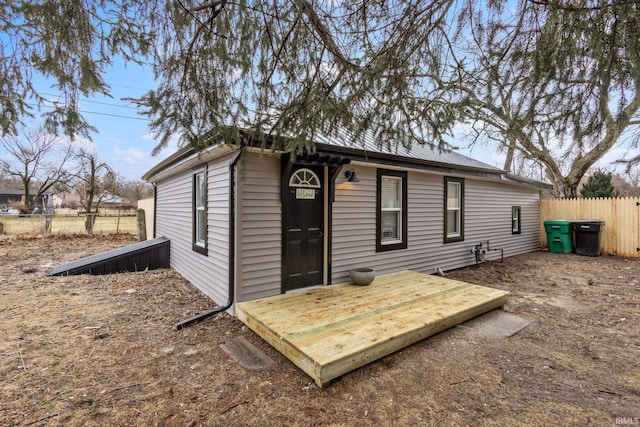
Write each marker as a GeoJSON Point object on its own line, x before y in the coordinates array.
{"type": "Point", "coordinates": [155, 207]}
{"type": "Point", "coordinates": [232, 249]}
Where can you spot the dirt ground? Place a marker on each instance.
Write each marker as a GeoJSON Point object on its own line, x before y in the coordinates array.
{"type": "Point", "coordinates": [104, 351]}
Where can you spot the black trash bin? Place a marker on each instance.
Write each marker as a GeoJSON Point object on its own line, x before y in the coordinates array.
{"type": "Point", "coordinates": [587, 236]}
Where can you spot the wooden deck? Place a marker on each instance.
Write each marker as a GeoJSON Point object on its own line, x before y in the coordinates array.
{"type": "Point", "coordinates": [333, 330]}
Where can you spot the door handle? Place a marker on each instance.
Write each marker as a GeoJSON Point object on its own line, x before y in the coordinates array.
{"type": "Point", "coordinates": [320, 234]}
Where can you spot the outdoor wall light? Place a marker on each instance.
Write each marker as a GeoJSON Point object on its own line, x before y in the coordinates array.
{"type": "Point", "coordinates": [351, 176]}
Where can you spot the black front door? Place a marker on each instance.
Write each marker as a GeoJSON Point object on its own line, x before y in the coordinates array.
{"type": "Point", "coordinates": [303, 227]}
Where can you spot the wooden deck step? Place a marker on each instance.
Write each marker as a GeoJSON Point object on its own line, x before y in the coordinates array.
{"type": "Point", "coordinates": [333, 330]}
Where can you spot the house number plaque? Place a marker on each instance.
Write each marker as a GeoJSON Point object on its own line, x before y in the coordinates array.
{"type": "Point", "coordinates": [305, 193]}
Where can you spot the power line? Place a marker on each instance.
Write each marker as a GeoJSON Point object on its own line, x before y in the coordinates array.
{"type": "Point", "coordinates": [98, 113]}
{"type": "Point", "coordinates": [128, 87]}
{"type": "Point", "coordinates": [114, 115]}
{"type": "Point", "coordinates": [90, 101]}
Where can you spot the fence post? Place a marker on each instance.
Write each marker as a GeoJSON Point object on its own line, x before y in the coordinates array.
{"type": "Point", "coordinates": [141, 224]}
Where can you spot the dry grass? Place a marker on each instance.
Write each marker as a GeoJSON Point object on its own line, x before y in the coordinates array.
{"type": "Point", "coordinates": [103, 350]}
{"type": "Point", "coordinates": [35, 225]}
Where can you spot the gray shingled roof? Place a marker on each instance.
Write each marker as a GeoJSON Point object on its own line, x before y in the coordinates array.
{"type": "Point", "coordinates": [418, 153]}
{"type": "Point", "coordinates": [368, 144]}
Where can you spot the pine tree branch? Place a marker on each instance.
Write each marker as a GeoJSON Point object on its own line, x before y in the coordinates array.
{"type": "Point", "coordinates": [323, 33]}
{"type": "Point", "coordinates": [566, 7]}
{"type": "Point", "coordinates": [210, 5]}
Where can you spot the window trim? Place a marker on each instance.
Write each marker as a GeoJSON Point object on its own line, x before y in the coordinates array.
{"type": "Point", "coordinates": [383, 247]}
{"type": "Point", "coordinates": [312, 180]}
{"type": "Point", "coordinates": [460, 236]}
{"type": "Point", "coordinates": [516, 218]}
{"type": "Point", "coordinates": [198, 247]}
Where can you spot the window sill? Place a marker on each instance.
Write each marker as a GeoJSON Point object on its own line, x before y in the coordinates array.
{"type": "Point", "coordinates": [391, 246]}
{"type": "Point", "coordinates": [452, 239]}
{"type": "Point", "coordinates": [201, 249]}
{"type": "Point", "coordinates": [391, 242]}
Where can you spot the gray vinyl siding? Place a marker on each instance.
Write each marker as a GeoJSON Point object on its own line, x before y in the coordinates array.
{"type": "Point", "coordinates": [259, 228]}
{"type": "Point", "coordinates": [174, 220]}
{"type": "Point", "coordinates": [487, 216]}
{"type": "Point", "coordinates": [259, 218]}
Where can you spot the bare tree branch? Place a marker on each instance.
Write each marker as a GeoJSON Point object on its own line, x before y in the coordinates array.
{"type": "Point", "coordinates": [39, 160]}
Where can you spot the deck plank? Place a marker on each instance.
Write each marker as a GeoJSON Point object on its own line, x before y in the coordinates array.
{"type": "Point", "coordinates": [330, 331]}
{"type": "Point", "coordinates": [319, 304]}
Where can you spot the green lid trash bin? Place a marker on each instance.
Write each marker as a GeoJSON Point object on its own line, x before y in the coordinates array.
{"type": "Point", "coordinates": [588, 236]}
{"type": "Point", "coordinates": [559, 236]}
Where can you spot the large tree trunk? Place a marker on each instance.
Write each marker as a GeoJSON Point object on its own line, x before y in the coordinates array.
{"type": "Point", "coordinates": [90, 221]}
{"type": "Point", "coordinates": [508, 162]}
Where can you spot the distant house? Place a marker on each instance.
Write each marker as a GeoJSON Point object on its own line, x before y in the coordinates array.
{"type": "Point", "coordinates": [66, 199]}
{"type": "Point", "coordinates": [270, 224]}
{"type": "Point", "coordinates": [111, 200]}
{"type": "Point", "coordinates": [11, 197]}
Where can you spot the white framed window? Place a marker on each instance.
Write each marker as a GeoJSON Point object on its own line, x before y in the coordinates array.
{"type": "Point", "coordinates": [454, 209]}
{"type": "Point", "coordinates": [516, 225]}
{"type": "Point", "coordinates": [392, 210]}
{"type": "Point", "coordinates": [200, 210]}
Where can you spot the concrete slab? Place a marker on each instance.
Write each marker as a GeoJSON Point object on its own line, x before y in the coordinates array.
{"type": "Point", "coordinates": [246, 354]}
{"type": "Point", "coordinates": [494, 325]}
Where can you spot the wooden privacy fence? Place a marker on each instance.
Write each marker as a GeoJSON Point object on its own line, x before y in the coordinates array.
{"type": "Point", "coordinates": [148, 205]}
{"type": "Point", "coordinates": [621, 232]}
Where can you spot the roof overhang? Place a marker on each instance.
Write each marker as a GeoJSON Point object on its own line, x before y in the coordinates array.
{"type": "Point", "coordinates": [187, 158]}
{"type": "Point", "coordinates": [402, 163]}
{"type": "Point", "coordinates": [527, 181]}
{"type": "Point", "coordinates": [184, 159]}
{"type": "Point", "coordinates": [362, 156]}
